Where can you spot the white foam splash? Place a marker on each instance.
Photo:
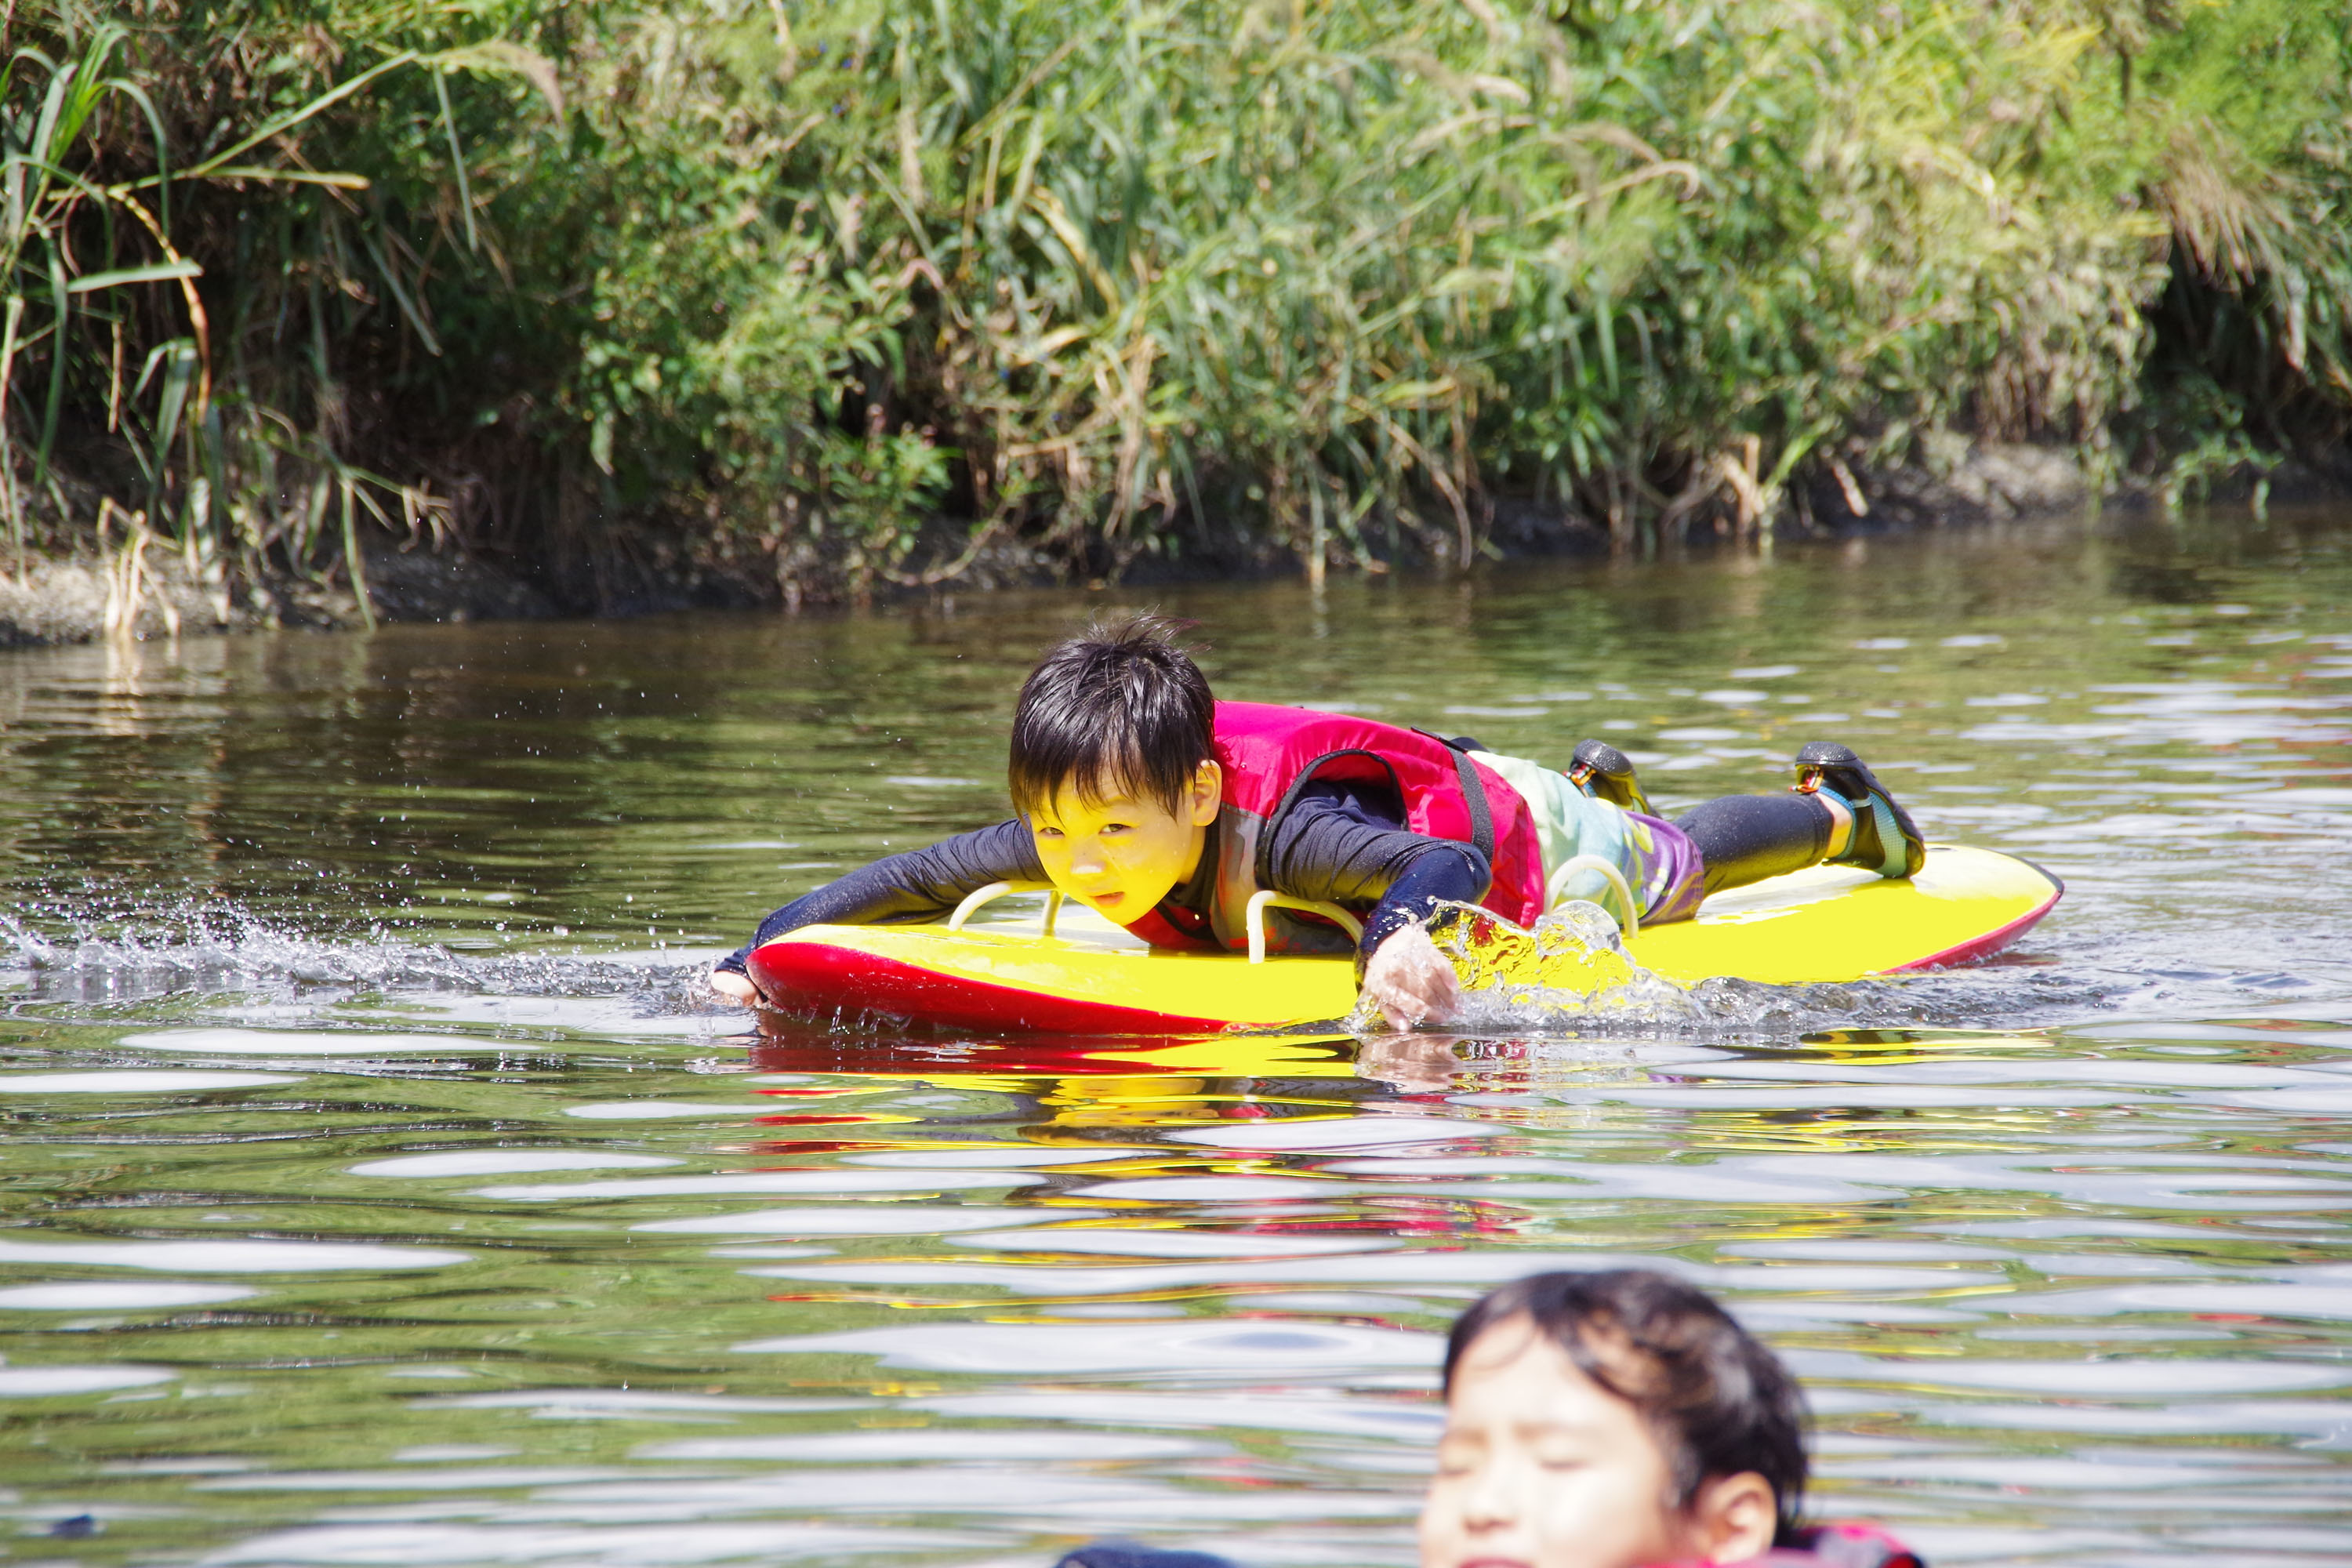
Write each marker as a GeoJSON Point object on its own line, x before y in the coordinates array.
{"type": "Point", "coordinates": [136, 954]}
{"type": "Point", "coordinates": [1570, 970]}
{"type": "Point", "coordinates": [1569, 976]}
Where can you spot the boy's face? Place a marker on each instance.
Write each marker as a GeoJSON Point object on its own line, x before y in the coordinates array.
{"type": "Point", "coordinates": [1542, 1467]}
{"type": "Point", "coordinates": [1122, 854]}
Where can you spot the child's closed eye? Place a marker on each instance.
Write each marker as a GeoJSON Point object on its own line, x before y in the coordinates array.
{"type": "Point", "coordinates": [1560, 1457]}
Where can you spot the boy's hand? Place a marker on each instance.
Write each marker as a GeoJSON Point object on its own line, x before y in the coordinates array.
{"type": "Point", "coordinates": [1411, 982]}
{"type": "Point", "coordinates": [735, 988]}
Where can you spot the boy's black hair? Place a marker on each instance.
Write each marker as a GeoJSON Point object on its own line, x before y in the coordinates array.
{"type": "Point", "coordinates": [1718, 1401]}
{"type": "Point", "coordinates": [1122, 706]}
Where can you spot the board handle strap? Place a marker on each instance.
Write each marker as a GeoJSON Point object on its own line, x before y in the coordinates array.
{"type": "Point", "coordinates": [1266, 897]}
{"type": "Point", "coordinates": [995, 890]}
{"type": "Point", "coordinates": [1629, 922]}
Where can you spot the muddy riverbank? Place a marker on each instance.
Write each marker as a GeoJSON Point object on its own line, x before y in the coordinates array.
{"type": "Point", "coordinates": [160, 591]}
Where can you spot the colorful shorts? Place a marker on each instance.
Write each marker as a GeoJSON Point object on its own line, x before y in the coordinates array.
{"type": "Point", "coordinates": [1660, 864]}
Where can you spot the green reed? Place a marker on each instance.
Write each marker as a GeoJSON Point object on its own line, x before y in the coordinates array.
{"type": "Point", "coordinates": [840, 295]}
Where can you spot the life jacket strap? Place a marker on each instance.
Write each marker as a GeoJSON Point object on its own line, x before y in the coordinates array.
{"type": "Point", "coordinates": [1474, 791]}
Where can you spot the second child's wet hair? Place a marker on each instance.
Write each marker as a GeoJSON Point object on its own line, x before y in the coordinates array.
{"type": "Point", "coordinates": [1123, 706]}
{"type": "Point", "coordinates": [1718, 1401]}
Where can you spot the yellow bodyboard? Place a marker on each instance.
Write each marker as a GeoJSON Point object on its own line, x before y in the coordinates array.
{"type": "Point", "coordinates": [1822, 925]}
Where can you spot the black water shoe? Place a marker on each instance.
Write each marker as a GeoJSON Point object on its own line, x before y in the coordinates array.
{"type": "Point", "coordinates": [1885, 840]}
{"type": "Point", "coordinates": [1604, 773]}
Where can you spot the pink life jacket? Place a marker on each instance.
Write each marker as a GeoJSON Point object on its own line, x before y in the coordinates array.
{"type": "Point", "coordinates": [1824, 1546]}
{"type": "Point", "coordinates": [1270, 753]}
{"type": "Point", "coordinates": [1838, 1545]}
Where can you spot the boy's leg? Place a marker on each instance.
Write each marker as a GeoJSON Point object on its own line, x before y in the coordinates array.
{"type": "Point", "coordinates": [1745, 838]}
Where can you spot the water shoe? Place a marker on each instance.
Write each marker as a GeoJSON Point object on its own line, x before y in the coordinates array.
{"type": "Point", "coordinates": [1885, 840]}
{"type": "Point", "coordinates": [1604, 773]}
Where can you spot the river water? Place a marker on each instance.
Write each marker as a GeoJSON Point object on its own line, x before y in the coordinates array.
{"type": "Point", "coordinates": [379, 1188]}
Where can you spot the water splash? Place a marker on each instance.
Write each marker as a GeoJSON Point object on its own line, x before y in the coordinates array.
{"type": "Point", "coordinates": [1570, 970]}
{"type": "Point", "coordinates": [202, 949]}
{"type": "Point", "coordinates": [1571, 975]}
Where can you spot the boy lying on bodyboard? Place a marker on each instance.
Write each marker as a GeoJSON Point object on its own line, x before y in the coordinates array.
{"type": "Point", "coordinates": [1164, 810]}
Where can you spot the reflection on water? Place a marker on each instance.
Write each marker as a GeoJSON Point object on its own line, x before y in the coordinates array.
{"type": "Point", "coordinates": [380, 1191]}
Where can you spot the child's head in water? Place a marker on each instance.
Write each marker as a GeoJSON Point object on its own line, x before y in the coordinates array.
{"type": "Point", "coordinates": [1609, 1420]}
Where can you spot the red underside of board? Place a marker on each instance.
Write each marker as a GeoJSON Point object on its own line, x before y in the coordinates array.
{"type": "Point", "coordinates": [822, 979]}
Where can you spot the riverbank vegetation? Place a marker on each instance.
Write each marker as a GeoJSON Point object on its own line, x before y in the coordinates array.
{"type": "Point", "coordinates": [788, 299]}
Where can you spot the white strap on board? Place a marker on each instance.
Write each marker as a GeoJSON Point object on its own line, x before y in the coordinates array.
{"type": "Point", "coordinates": [1631, 922]}
{"type": "Point", "coordinates": [995, 890]}
{"type": "Point", "coordinates": [1267, 899]}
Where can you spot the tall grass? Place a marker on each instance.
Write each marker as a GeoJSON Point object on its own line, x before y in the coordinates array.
{"type": "Point", "coordinates": [835, 296]}
{"type": "Point", "coordinates": [170, 241]}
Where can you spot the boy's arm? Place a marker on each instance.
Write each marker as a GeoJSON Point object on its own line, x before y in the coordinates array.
{"type": "Point", "coordinates": [914, 885]}
{"type": "Point", "coordinates": [1340, 844]}
{"type": "Point", "coordinates": [1347, 845]}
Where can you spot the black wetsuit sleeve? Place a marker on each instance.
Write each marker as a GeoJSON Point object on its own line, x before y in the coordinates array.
{"type": "Point", "coordinates": [915, 886]}
{"type": "Point", "coordinates": [1346, 845]}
